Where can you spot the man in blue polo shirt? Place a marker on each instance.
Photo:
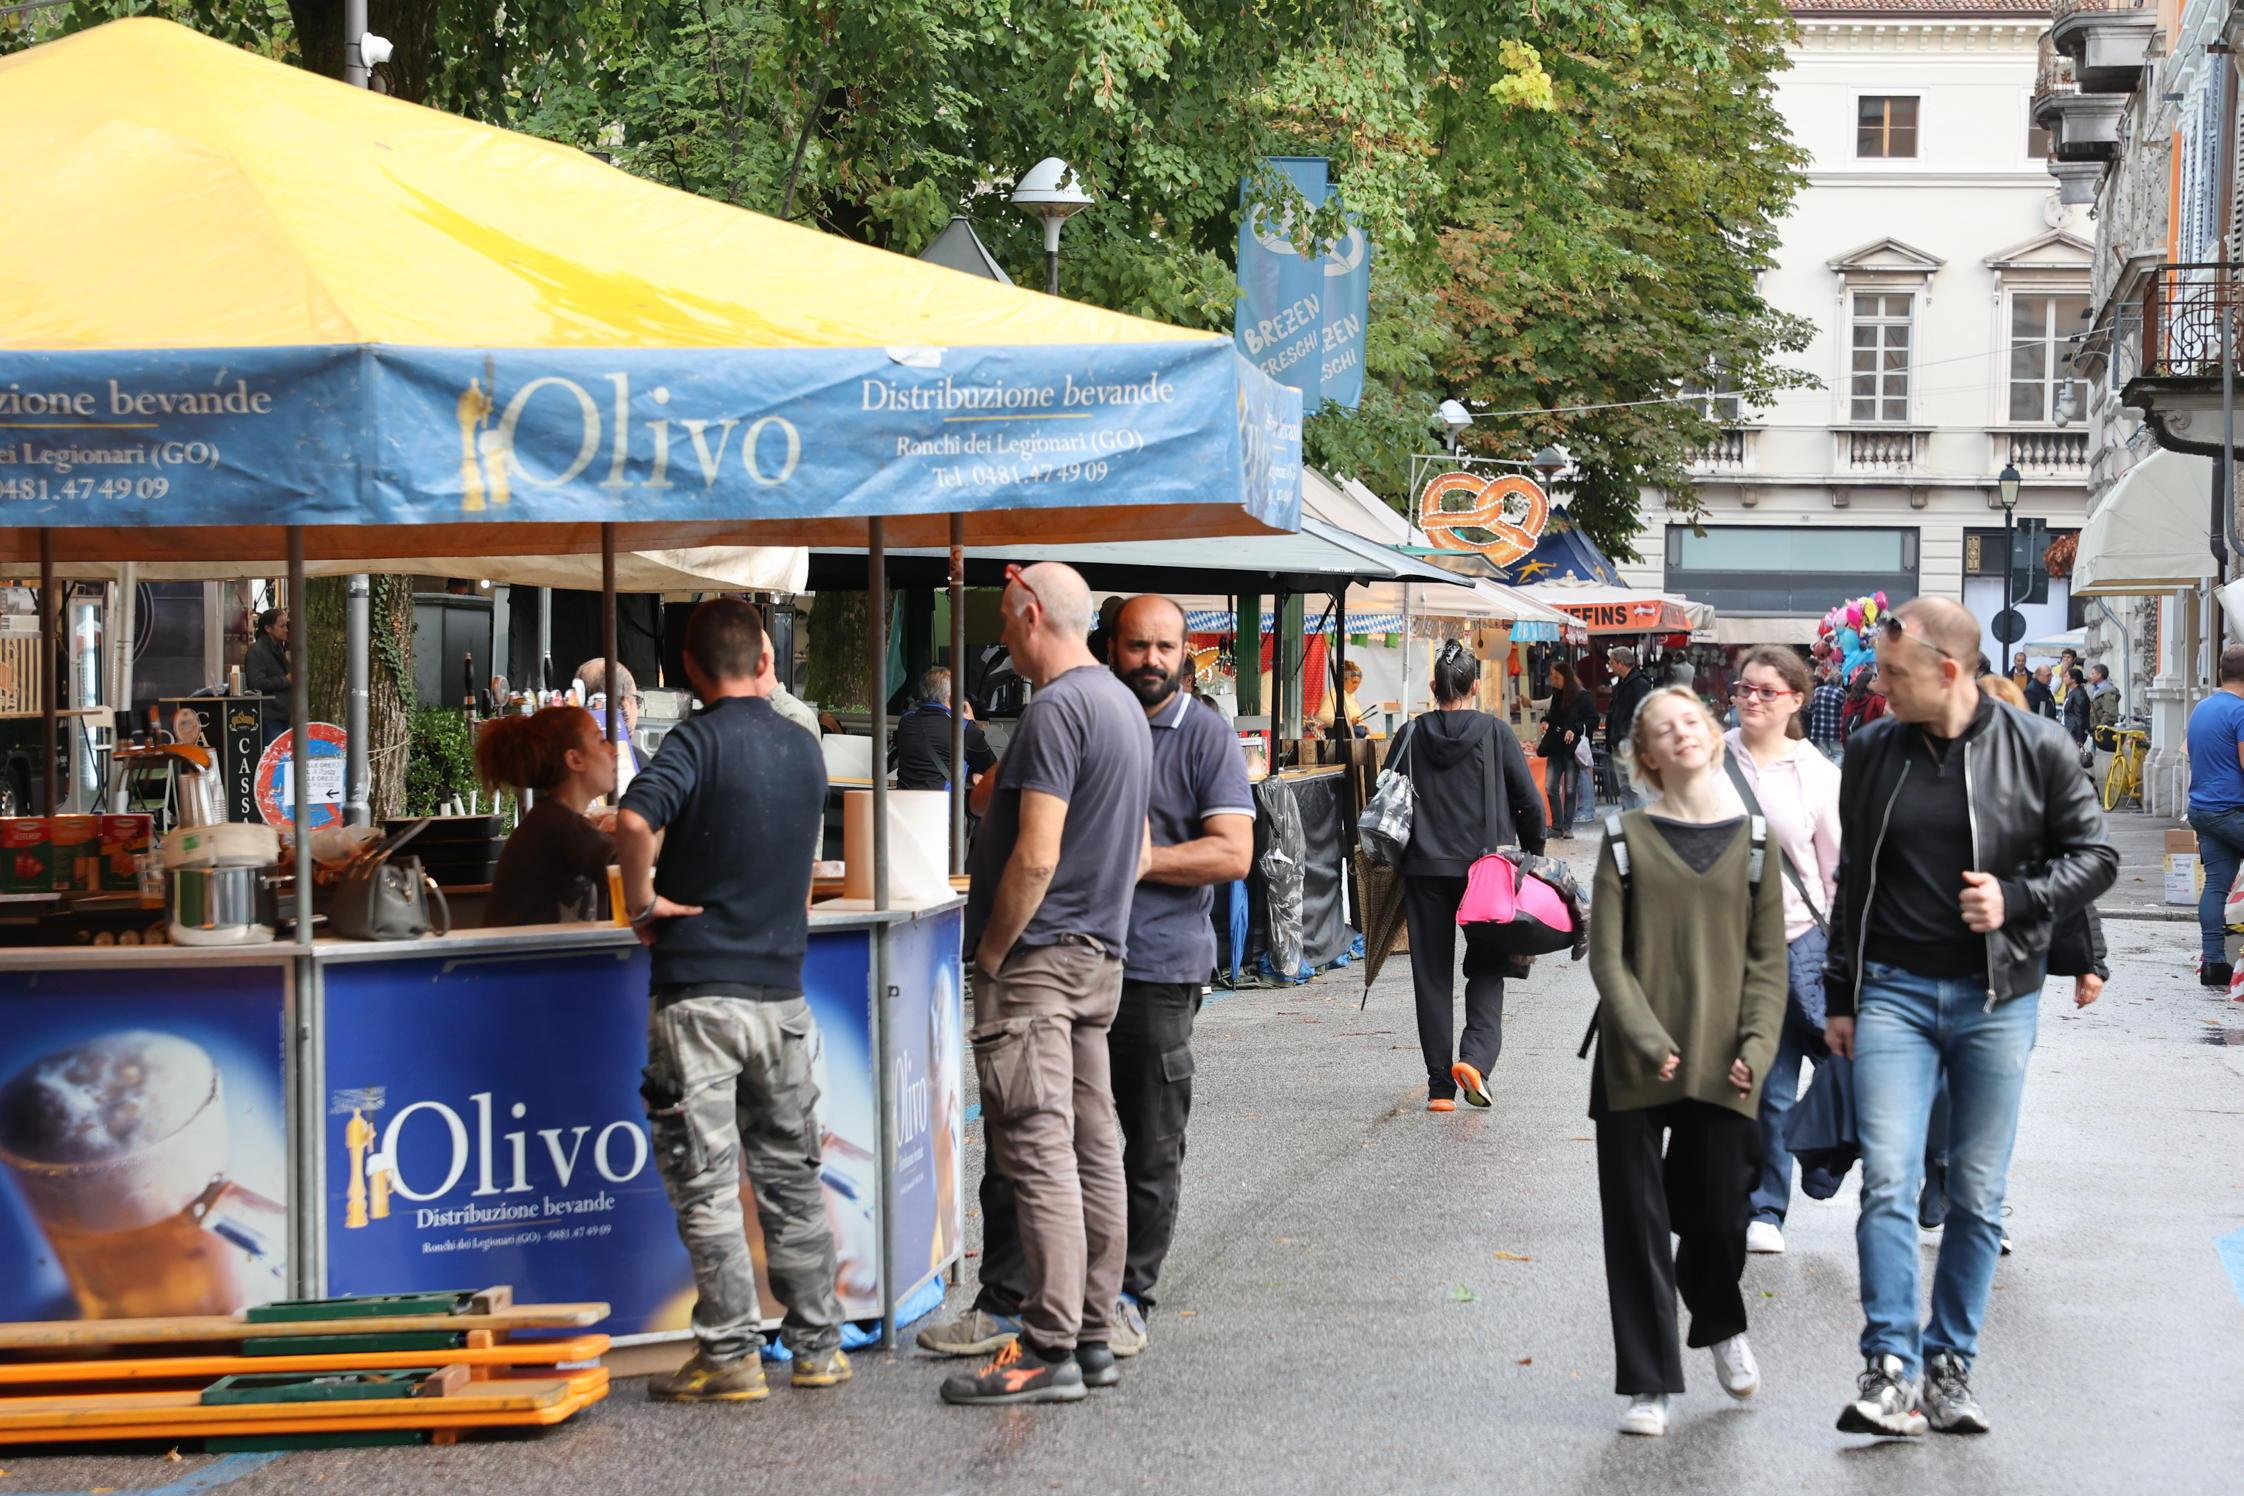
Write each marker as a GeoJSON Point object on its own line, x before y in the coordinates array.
{"type": "Point", "coordinates": [1201, 810]}
{"type": "Point", "coordinates": [2216, 807]}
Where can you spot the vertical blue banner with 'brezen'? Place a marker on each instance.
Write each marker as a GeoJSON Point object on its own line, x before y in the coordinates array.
{"type": "Point", "coordinates": [1280, 322]}
{"type": "Point", "coordinates": [1347, 307]}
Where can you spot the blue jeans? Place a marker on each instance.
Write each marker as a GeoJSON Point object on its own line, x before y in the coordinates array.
{"type": "Point", "coordinates": [2220, 843]}
{"type": "Point", "coordinates": [1909, 1033]}
{"type": "Point", "coordinates": [1800, 1038]}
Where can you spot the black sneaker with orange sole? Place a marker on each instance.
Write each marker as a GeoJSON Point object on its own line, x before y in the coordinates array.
{"type": "Point", "coordinates": [1017, 1374]}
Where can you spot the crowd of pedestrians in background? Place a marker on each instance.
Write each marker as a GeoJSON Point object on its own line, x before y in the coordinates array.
{"type": "Point", "coordinates": [1870, 877]}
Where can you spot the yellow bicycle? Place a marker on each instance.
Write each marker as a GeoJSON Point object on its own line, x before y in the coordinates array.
{"type": "Point", "coordinates": [2130, 747]}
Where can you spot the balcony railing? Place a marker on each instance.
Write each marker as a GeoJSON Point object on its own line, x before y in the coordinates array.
{"type": "Point", "coordinates": [1725, 454]}
{"type": "Point", "coordinates": [2060, 10]}
{"type": "Point", "coordinates": [2183, 309]}
{"type": "Point", "coordinates": [1880, 449]}
{"type": "Point", "coordinates": [2054, 75]}
{"type": "Point", "coordinates": [2044, 454]}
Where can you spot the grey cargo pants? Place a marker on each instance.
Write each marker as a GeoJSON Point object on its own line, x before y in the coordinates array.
{"type": "Point", "coordinates": [1040, 1049]}
{"type": "Point", "coordinates": [749, 1099]}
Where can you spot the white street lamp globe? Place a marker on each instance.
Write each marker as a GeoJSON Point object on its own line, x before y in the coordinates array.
{"type": "Point", "coordinates": [1052, 191]}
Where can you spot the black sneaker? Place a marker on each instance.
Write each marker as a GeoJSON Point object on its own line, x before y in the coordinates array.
{"type": "Point", "coordinates": [1017, 1374]}
{"type": "Point", "coordinates": [1098, 1365]}
{"type": "Point", "coordinates": [1948, 1403]}
{"type": "Point", "coordinates": [1885, 1402]}
{"type": "Point", "coordinates": [2215, 974]}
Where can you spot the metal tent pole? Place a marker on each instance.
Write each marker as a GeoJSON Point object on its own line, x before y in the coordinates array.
{"type": "Point", "coordinates": [357, 647]}
{"type": "Point", "coordinates": [876, 584]}
{"type": "Point", "coordinates": [358, 631]}
{"type": "Point", "coordinates": [610, 672]}
{"type": "Point", "coordinates": [299, 755]}
{"type": "Point", "coordinates": [958, 694]}
{"type": "Point", "coordinates": [50, 688]}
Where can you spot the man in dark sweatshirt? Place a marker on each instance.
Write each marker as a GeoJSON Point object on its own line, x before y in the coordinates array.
{"type": "Point", "coordinates": [731, 805]}
{"type": "Point", "coordinates": [1968, 833]}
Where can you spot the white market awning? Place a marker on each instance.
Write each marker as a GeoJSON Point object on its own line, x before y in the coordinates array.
{"type": "Point", "coordinates": [2152, 532]}
{"type": "Point", "coordinates": [1729, 629]}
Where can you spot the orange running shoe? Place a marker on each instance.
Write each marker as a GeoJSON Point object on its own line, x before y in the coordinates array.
{"type": "Point", "coordinates": [1469, 1084]}
{"type": "Point", "coordinates": [1440, 1104]}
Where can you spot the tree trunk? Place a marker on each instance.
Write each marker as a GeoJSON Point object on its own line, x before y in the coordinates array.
{"type": "Point", "coordinates": [390, 691]}
{"type": "Point", "coordinates": [836, 674]}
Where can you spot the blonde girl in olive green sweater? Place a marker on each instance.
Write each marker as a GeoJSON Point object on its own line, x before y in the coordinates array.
{"type": "Point", "coordinates": [1689, 961]}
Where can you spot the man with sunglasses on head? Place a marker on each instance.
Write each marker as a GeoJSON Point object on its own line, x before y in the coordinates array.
{"type": "Point", "coordinates": [1202, 814]}
{"type": "Point", "coordinates": [1967, 831]}
{"type": "Point", "coordinates": [1062, 845]}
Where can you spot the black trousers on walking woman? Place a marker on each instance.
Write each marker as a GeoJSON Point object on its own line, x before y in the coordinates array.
{"type": "Point", "coordinates": [1430, 913]}
{"type": "Point", "coordinates": [1700, 1190]}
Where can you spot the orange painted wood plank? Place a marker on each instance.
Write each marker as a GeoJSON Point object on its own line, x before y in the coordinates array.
{"type": "Point", "coordinates": [183, 1409]}
{"type": "Point", "coordinates": [64, 1334]}
{"type": "Point", "coordinates": [171, 1368]}
{"type": "Point", "coordinates": [438, 1417]}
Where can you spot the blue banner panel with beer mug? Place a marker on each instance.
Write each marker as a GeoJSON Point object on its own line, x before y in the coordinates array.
{"type": "Point", "coordinates": [484, 1126]}
{"type": "Point", "coordinates": [143, 1139]}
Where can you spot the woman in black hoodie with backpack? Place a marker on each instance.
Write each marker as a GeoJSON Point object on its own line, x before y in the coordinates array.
{"type": "Point", "coordinates": [1473, 795]}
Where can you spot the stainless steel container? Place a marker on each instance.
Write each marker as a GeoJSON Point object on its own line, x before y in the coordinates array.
{"type": "Point", "coordinates": [201, 796]}
{"type": "Point", "coordinates": [223, 905]}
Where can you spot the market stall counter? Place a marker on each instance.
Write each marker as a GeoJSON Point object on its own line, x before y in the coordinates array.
{"type": "Point", "coordinates": [384, 1117]}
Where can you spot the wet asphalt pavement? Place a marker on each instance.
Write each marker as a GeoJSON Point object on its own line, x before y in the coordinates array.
{"type": "Point", "coordinates": [1367, 1298]}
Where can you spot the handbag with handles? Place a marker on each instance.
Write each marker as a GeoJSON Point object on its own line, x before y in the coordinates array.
{"type": "Point", "coordinates": [386, 897]}
{"type": "Point", "coordinates": [1384, 828]}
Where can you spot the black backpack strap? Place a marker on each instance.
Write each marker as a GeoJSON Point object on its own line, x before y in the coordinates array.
{"type": "Point", "coordinates": [1617, 839]}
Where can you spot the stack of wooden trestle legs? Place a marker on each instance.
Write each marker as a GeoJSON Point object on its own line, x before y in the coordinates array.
{"type": "Point", "coordinates": [308, 1374]}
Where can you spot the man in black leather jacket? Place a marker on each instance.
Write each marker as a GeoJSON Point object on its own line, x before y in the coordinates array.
{"type": "Point", "coordinates": [1967, 831]}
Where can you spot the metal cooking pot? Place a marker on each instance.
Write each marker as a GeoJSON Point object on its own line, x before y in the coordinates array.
{"type": "Point", "coordinates": [202, 798]}
{"type": "Point", "coordinates": [223, 905]}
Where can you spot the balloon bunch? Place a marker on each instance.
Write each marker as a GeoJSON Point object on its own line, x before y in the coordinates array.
{"type": "Point", "coordinates": [1844, 634]}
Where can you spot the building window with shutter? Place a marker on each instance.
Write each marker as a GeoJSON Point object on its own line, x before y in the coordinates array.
{"type": "Point", "coordinates": [2041, 330]}
{"type": "Point", "coordinates": [1879, 386]}
{"type": "Point", "coordinates": [1885, 126]}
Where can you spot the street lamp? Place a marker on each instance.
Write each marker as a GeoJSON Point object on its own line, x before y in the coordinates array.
{"type": "Point", "coordinates": [1051, 191]}
{"type": "Point", "coordinates": [1455, 420]}
{"type": "Point", "coordinates": [1548, 464]}
{"type": "Point", "coordinates": [2006, 488]}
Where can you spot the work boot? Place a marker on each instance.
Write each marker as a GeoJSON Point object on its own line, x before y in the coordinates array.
{"type": "Point", "coordinates": [826, 1368]}
{"type": "Point", "coordinates": [1017, 1374]}
{"type": "Point", "coordinates": [705, 1379]}
{"type": "Point", "coordinates": [1098, 1365]}
{"type": "Point", "coordinates": [977, 1332]}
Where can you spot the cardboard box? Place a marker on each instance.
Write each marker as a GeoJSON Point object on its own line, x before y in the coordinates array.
{"type": "Point", "coordinates": [26, 855]}
{"type": "Point", "coordinates": [76, 863]}
{"type": "Point", "coordinates": [2185, 873]}
{"type": "Point", "coordinates": [125, 840]}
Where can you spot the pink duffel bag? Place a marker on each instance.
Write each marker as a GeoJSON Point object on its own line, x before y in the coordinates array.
{"type": "Point", "coordinates": [1520, 904]}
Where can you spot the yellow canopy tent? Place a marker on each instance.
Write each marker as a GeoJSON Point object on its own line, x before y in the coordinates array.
{"type": "Point", "coordinates": [236, 296]}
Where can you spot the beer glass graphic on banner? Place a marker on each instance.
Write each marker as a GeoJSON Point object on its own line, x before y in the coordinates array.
{"type": "Point", "coordinates": [118, 1147]}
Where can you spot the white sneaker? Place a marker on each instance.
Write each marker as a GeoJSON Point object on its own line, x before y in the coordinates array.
{"type": "Point", "coordinates": [1766, 1237]}
{"type": "Point", "coordinates": [1735, 1368]}
{"type": "Point", "coordinates": [1646, 1415]}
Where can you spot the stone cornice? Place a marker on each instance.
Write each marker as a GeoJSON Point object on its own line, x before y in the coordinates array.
{"type": "Point", "coordinates": [1910, 34]}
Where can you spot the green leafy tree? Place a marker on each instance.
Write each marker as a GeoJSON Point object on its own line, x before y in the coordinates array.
{"type": "Point", "coordinates": [1571, 199]}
